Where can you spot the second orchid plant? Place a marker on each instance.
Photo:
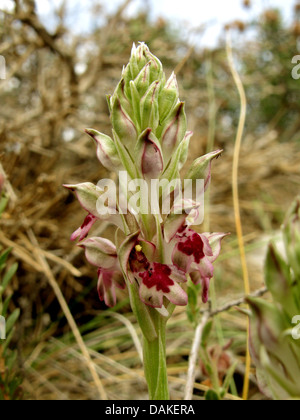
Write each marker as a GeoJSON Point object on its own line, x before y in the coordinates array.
{"type": "Point", "coordinates": [154, 252]}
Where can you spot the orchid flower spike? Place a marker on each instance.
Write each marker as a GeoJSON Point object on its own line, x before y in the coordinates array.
{"type": "Point", "coordinates": [159, 251]}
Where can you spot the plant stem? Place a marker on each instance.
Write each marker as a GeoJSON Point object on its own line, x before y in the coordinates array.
{"type": "Point", "coordinates": [194, 357]}
{"type": "Point", "coordinates": [235, 191]}
{"type": "Point", "coordinates": [155, 365]}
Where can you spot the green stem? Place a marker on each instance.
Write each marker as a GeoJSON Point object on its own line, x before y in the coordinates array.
{"type": "Point", "coordinates": [155, 365]}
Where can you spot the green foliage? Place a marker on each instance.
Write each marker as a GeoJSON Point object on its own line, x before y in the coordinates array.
{"type": "Point", "coordinates": [274, 342]}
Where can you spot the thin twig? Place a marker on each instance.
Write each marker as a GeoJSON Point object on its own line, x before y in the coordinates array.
{"type": "Point", "coordinates": [198, 336]}
{"type": "Point", "coordinates": [194, 357]}
{"type": "Point", "coordinates": [238, 302]}
{"type": "Point", "coordinates": [235, 192]}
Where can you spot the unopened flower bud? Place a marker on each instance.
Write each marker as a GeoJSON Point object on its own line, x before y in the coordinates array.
{"type": "Point", "coordinates": [123, 125]}
{"type": "Point", "coordinates": [106, 150]}
{"type": "Point", "coordinates": [122, 94]}
{"type": "Point", "coordinates": [148, 155]}
{"type": "Point", "coordinates": [174, 131]}
{"type": "Point", "coordinates": [138, 59]}
{"type": "Point", "coordinates": [142, 81]}
{"type": "Point", "coordinates": [201, 168]}
{"type": "Point", "coordinates": [156, 69]}
{"type": "Point", "coordinates": [149, 107]}
{"type": "Point", "coordinates": [168, 98]}
{"type": "Point", "coordinates": [88, 195]}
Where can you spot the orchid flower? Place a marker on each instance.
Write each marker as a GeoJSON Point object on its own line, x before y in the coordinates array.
{"type": "Point", "coordinates": [159, 251]}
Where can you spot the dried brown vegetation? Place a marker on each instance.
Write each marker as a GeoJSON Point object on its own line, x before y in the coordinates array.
{"type": "Point", "coordinates": [55, 87]}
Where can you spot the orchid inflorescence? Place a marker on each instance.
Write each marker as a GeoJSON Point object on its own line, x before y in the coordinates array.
{"type": "Point", "coordinates": [153, 254]}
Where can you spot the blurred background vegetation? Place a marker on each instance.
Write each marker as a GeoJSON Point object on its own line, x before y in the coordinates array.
{"type": "Point", "coordinates": [55, 87]}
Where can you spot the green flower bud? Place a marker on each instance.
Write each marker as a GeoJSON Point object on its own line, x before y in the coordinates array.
{"type": "Point", "coordinates": [88, 195]}
{"type": "Point", "coordinates": [201, 168]}
{"type": "Point", "coordinates": [149, 107]}
{"type": "Point", "coordinates": [142, 81]}
{"type": "Point", "coordinates": [148, 155]}
{"type": "Point", "coordinates": [143, 99]}
{"type": "Point", "coordinates": [168, 98]}
{"type": "Point", "coordinates": [175, 128]}
{"type": "Point", "coordinates": [123, 98]}
{"type": "Point", "coordinates": [106, 150]}
{"type": "Point", "coordinates": [138, 59]}
{"type": "Point", "coordinates": [123, 124]}
{"type": "Point", "coordinates": [126, 75]}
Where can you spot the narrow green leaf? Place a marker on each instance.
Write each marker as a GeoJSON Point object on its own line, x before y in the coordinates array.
{"type": "Point", "coordinates": [3, 258]}
{"type": "Point", "coordinates": [229, 377]}
{"type": "Point", "coordinates": [206, 333]}
{"type": "Point", "coordinates": [9, 275]}
{"type": "Point", "coordinates": [7, 341]}
{"type": "Point", "coordinates": [5, 305]}
{"type": "Point", "coordinates": [3, 204]}
{"type": "Point", "coordinates": [12, 319]}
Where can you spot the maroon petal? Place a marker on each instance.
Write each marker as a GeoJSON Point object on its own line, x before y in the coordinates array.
{"type": "Point", "coordinates": [106, 288]}
{"type": "Point", "coordinates": [157, 283]}
{"type": "Point", "coordinates": [197, 278]}
{"type": "Point", "coordinates": [83, 231]}
{"type": "Point", "coordinates": [214, 240]}
{"type": "Point", "coordinates": [189, 249]}
{"type": "Point", "coordinates": [108, 280]}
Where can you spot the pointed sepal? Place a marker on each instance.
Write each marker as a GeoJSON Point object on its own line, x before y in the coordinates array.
{"type": "Point", "coordinates": [106, 150]}
{"type": "Point", "coordinates": [100, 252]}
{"type": "Point", "coordinates": [201, 168]}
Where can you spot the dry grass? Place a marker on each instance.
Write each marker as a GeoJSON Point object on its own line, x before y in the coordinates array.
{"type": "Point", "coordinates": [46, 102]}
